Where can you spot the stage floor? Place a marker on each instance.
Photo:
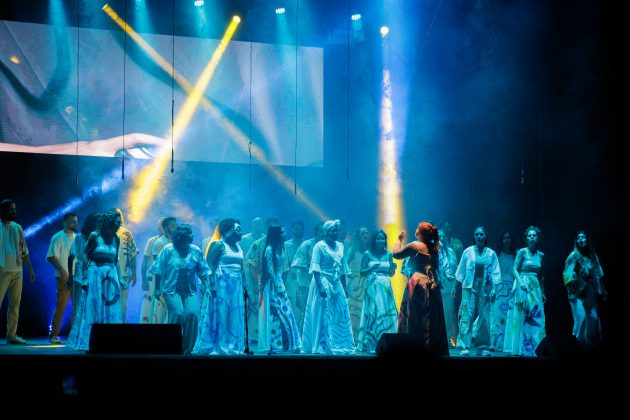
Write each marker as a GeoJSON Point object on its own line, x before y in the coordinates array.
{"type": "Point", "coordinates": [43, 372]}
{"type": "Point", "coordinates": [41, 346]}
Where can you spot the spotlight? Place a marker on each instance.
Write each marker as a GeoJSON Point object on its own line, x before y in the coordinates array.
{"type": "Point", "coordinates": [280, 11]}
{"type": "Point", "coordinates": [199, 3]}
{"type": "Point", "coordinates": [356, 16]}
{"type": "Point", "coordinates": [384, 31]}
{"type": "Point", "coordinates": [236, 18]}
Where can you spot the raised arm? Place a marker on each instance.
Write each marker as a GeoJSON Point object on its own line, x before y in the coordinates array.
{"type": "Point", "coordinates": [401, 251]}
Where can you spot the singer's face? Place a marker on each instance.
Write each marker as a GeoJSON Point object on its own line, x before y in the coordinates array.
{"type": "Point", "coordinates": [532, 238]}
{"type": "Point", "coordinates": [480, 237]}
{"type": "Point", "coordinates": [333, 233]}
{"type": "Point", "coordinates": [238, 232]}
{"type": "Point", "coordinates": [581, 240]}
{"type": "Point", "coordinates": [379, 241]}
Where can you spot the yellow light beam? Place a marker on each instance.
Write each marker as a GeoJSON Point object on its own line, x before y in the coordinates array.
{"type": "Point", "coordinates": [390, 205]}
{"type": "Point", "coordinates": [236, 134]}
{"type": "Point", "coordinates": [147, 181]}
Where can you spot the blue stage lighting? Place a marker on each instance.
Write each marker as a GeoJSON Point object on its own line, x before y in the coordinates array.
{"type": "Point", "coordinates": [280, 11]}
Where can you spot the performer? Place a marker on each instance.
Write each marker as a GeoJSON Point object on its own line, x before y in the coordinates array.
{"type": "Point", "coordinates": [13, 251]}
{"type": "Point", "coordinates": [175, 271]}
{"type": "Point", "coordinates": [447, 283]}
{"type": "Point", "coordinates": [327, 326]}
{"type": "Point", "coordinates": [583, 280]}
{"type": "Point", "coordinates": [258, 231]}
{"type": "Point", "coordinates": [356, 281]}
{"type": "Point", "coordinates": [478, 272]}
{"type": "Point", "coordinates": [104, 284]}
{"type": "Point", "coordinates": [77, 264]}
{"type": "Point", "coordinates": [525, 325]}
{"type": "Point", "coordinates": [277, 328]}
{"type": "Point", "coordinates": [222, 323]}
{"type": "Point", "coordinates": [169, 224]}
{"type": "Point", "coordinates": [57, 256]}
{"type": "Point", "coordinates": [252, 269]}
{"type": "Point", "coordinates": [456, 293]}
{"type": "Point", "coordinates": [127, 259]}
{"type": "Point", "coordinates": [291, 246]}
{"type": "Point", "coordinates": [421, 311]}
{"type": "Point", "coordinates": [159, 315]}
{"type": "Point", "coordinates": [300, 267]}
{"type": "Point", "coordinates": [500, 298]}
{"type": "Point", "coordinates": [378, 314]}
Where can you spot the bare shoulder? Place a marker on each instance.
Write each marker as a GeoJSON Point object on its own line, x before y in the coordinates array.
{"type": "Point", "coordinates": [420, 247]}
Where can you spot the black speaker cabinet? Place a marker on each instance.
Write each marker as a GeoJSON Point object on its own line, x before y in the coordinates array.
{"type": "Point", "coordinates": [398, 342]}
{"type": "Point", "coordinates": [136, 339]}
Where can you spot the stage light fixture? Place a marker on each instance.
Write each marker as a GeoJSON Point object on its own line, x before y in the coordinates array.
{"type": "Point", "coordinates": [356, 16]}
{"type": "Point", "coordinates": [199, 3]}
{"type": "Point", "coordinates": [280, 11]}
{"type": "Point", "coordinates": [236, 19]}
{"type": "Point", "coordinates": [384, 31]}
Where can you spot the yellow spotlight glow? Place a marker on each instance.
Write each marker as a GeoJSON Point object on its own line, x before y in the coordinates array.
{"type": "Point", "coordinates": [384, 31]}
{"type": "Point", "coordinates": [236, 134]}
{"type": "Point", "coordinates": [390, 206]}
{"type": "Point", "coordinates": [15, 60]}
{"type": "Point", "coordinates": [236, 19]}
{"type": "Point", "coordinates": [147, 181]}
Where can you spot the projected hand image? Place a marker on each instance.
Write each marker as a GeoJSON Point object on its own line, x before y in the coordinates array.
{"type": "Point", "coordinates": [138, 145]}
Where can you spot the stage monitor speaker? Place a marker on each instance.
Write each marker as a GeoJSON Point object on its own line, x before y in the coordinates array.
{"type": "Point", "coordinates": [136, 339]}
{"type": "Point", "coordinates": [559, 346]}
{"type": "Point", "coordinates": [398, 343]}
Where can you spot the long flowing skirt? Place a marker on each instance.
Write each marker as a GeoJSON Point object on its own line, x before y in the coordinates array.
{"type": "Point", "coordinates": [277, 328]}
{"type": "Point", "coordinates": [450, 314]}
{"type": "Point", "coordinates": [379, 314]}
{"type": "Point", "coordinates": [327, 326]}
{"type": "Point", "coordinates": [422, 315]}
{"type": "Point", "coordinates": [101, 304]}
{"type": "Point", "coordinates": [525, 325]}
{"type": "Point", "coordinates": [356, 292]}
{"type": "Point", "coordinates": [587, 327]}
{"type": "Point", "coordinates": [498, 314]}
{"type": "Point", "coordinates": [222, 322]}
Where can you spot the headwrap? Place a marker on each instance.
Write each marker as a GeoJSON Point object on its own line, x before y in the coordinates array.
{"type": "Point", "coordinates": [329, 225]}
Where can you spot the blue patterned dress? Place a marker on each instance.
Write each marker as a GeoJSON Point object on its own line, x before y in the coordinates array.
{"type": "Point", "coordinates": [102, 304]}
{"type": "Point", "coordinates": [277, 328]}
{"type": "Point", "coordinates": [525, 325]}
{"type": "Point", "coordinates": [379, 314]}
{"type": "Point", "coordinates": [501, 303]}
{"type": "Point", "coordinates": [222, 323]}
{"type": "Point", "coordinates": [327, 326]}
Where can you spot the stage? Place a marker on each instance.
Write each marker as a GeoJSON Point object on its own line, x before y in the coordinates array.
{"type": "Point", "coordinates": [402, 378]}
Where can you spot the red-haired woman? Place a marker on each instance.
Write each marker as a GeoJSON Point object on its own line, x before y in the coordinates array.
{"type": "Point", "coordinates": [422, 312]}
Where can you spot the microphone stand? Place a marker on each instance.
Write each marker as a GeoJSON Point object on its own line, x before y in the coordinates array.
{"type": "Point", "coordinates": [246, 299]}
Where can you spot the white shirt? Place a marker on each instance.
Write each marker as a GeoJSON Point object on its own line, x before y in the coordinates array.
{"type": "Point", "coordinates": [60, 245]}
{"type": "Point", "coordinates": [12, 247]}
